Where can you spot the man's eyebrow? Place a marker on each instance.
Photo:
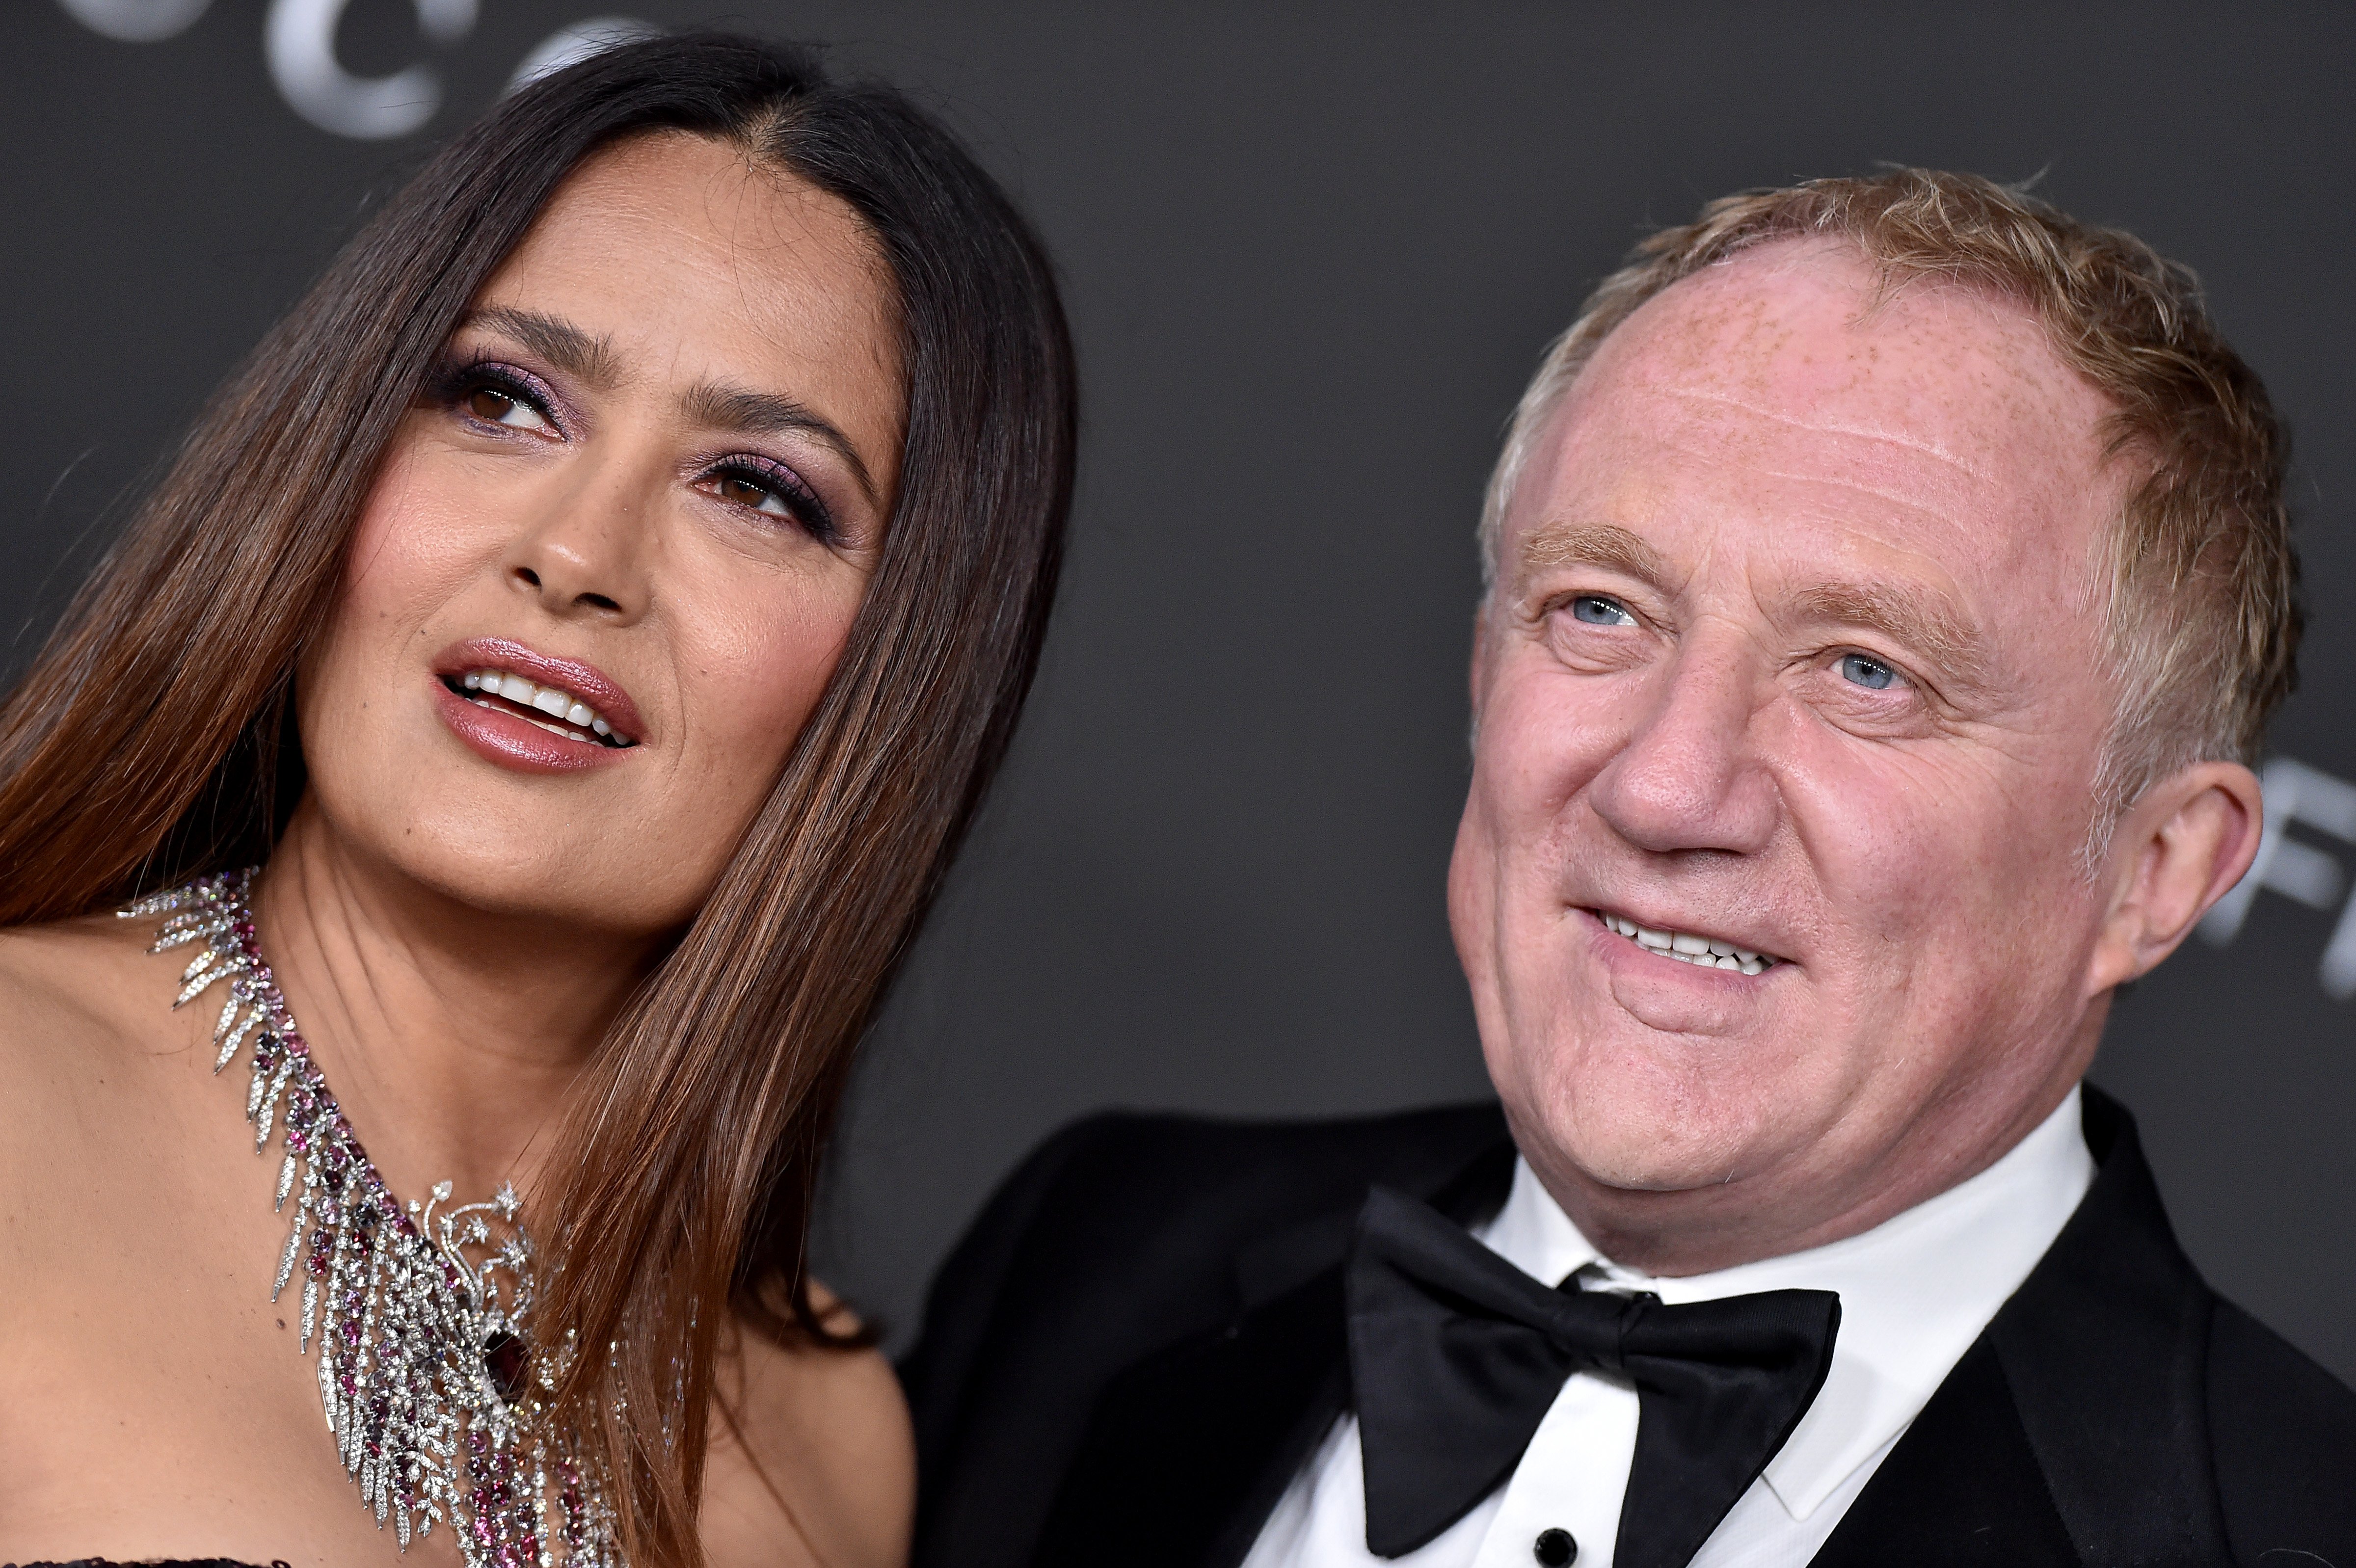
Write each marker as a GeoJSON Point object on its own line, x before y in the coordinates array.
{"type": "Point", "coordinates": [1555, 545]}
{"type": "Point", "coordinates": [1922, 620]}
{"type": "Point", "coordinates": [742, 411]}
{"type": "Point", "coordinates": [554, 339]}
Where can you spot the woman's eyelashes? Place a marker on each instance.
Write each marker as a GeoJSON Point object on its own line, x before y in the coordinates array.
{"type": "Point", "coordinates": [766, 486]}
{"type": "Point", "coordinates": [505, 397]}
{"type": "Point", "coordinates": [495, 396]}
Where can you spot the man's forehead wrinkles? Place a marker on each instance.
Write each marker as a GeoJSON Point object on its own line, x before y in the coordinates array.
{"type": "Point", "coordinates": [1915, 501]}
{"type": "Point", "coordinates": [1945, 493]}
{"type": "Point", "coordinates": [1919, 446]}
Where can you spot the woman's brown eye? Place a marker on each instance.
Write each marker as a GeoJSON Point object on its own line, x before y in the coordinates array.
{"type": "Point", "coordinates": [492, 406]}
{"type": "Point", "coordinates": [747, 493]}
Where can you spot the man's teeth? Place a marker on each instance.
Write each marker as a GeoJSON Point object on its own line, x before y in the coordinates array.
{"type": "Point", "coordinates": [1687, 949]}
{"type": "Point", "coordinates": [554, 701]}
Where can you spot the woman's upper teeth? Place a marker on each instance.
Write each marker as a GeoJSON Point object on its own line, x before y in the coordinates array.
{"type": "Point", "coordinates": [1709, 952]}
{"type": "Point", "coordinates": [553, 700]}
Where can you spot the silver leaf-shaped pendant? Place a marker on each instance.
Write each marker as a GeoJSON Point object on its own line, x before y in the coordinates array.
{"type": "Point", "coordinates": [199, 964]}
{"type": "Point", "coordinates": [236, 1036]}
{"type": "Point", "coordinates": [269, 1111]}
{"type": "Point", "coordinates": [151, 905]}
{"type": "Point", "coordinates": [310, 1318]}
{"type": "Point", "coordinates": [286, 1261]}
{"type": "Point", "coordinates": [285, 1183]}
{"type": "Point", "coordinates": [327, 1386]}
{"type": "Point", "coordinates": [194, 989]}
{"type": "Point", "coordinates": [205, 981]}
{"type": "Point", "coordinates": [229, 1049]}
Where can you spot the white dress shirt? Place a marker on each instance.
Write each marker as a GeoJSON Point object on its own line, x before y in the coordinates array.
{"type": "Point", "coordinates": [1915, 1292]}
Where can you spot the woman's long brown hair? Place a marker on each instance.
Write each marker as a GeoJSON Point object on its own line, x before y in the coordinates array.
{"type": "Point", "coordinates": [152, 740]}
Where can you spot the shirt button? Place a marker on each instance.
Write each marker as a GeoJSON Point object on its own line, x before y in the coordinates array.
{"type": "Point", "coordinates": [1555, 1547]}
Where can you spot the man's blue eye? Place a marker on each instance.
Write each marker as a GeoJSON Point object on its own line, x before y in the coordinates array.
{"type": "Point", "coordinates": [1870, 674]}
{"type": "Point", "coordinates": [1598, 610]}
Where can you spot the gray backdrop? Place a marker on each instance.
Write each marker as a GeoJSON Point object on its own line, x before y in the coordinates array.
{"type": "Point", "coordinates": [1312, 251]}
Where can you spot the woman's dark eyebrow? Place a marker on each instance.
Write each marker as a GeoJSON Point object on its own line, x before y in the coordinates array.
{"type": "Point", "coordinates": [558, 341]}
{"type": "Point", "coordinates": [732, 409]}
{"type": "Point", "coordinates": [746, 413]}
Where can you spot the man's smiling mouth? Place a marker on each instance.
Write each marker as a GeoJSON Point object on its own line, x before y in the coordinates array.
{"type": "Point", "coordinates": [1689, 947]}
{"type": "Point", "coordinates": [551, 707]}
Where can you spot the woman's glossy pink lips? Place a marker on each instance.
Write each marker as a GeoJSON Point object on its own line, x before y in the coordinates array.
{"type": "Point", "coordinates": [516, 742]}
{"type": "Point", "coordinates": [586, 681]}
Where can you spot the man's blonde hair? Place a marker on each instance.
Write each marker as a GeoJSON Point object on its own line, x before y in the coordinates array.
{"type": "Point", "coordinates": [2198, 581]}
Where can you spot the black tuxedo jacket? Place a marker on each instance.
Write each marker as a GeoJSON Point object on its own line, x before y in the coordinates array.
{"type": "Point", "coordinates": [1141, 1341]}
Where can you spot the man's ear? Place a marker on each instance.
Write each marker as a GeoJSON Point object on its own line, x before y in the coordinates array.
{"type": "Point", "coordinates": [2177, 850]}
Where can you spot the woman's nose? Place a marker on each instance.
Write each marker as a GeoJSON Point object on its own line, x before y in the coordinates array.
{"type": "Point", "coordinates": [1689, 775]}
{"type": "Point", "coordinates": [584, 553]}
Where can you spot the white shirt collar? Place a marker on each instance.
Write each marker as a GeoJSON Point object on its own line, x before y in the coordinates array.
{"type": "Point", "coordinates": [1915, 1290]}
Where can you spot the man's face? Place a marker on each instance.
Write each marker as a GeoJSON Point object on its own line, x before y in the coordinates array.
{"type": "Point", "coordinates": [1794, 649]}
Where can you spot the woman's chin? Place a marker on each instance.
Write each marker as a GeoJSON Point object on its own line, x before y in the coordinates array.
{"type": "Point", "coordinates": [566, 869]}
{"type": "Point", "coordinates": [543, 891]}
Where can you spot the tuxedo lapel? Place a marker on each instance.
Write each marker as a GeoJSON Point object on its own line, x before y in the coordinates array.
{"type": "Point", "coordinates": [1184, 1442]}
{"type": "Point", "coordinates": [1191, 1447]}
{"type": "Point", "coordinates": [2073, 1431]}
{"type": "Point", "coordinates": [1962, 1490]}
{"type": "Point", "coordinates": [2106, 1349]}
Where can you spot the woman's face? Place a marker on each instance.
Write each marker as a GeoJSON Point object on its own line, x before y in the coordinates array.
{"type": "Point", "coordinates": [616, 548]}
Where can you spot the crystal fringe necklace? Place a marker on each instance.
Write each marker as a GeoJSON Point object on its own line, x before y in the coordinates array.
{"type": "Point", "coordinates": [423, 1317]}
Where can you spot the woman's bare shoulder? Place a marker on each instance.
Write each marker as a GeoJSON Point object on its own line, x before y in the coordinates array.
{"type": "Point", "coordinates": [82, 1065]}
{"type": "Point", "coordinates": [71, 981]}
{"type": "Point", "coordinates": [812, 1459]}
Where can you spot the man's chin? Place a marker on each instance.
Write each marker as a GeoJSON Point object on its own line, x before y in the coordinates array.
{"type": "Point", "coordinates": [1631, 1171]}
{"type": "Point", "coordinates": [1633, 1142]}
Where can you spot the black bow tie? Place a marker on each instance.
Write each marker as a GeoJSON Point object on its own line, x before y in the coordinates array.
{"type": "Point", "coordinates": [1455, 1355]}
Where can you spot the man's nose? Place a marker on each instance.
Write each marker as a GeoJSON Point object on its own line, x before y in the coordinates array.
{"type": "Point", "coordinates": [1691, 775]}
{"type": "Point", "coordinates": [583, 552]}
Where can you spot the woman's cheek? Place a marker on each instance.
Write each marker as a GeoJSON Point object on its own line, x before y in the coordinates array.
{"type": "Point", "coordinates": [765, 695]}
{"type": "Point", "coordinates": [424, 531]}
